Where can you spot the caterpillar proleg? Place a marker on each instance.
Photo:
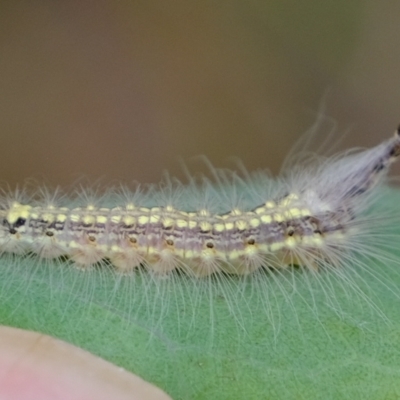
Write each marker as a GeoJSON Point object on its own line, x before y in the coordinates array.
{"type": "Point", "coordinates": [305, 218]}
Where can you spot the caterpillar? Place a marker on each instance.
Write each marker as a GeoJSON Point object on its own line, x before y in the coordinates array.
{"type": "Point", "coordinates": [234, 286]}
{"type": "Point", "coordinates": [306, 217]}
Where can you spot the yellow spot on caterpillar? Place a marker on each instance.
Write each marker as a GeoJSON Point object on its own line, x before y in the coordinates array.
{"type": "Point", "coordinates": [130, 207]}
{"type": "Point", "coordinates": [181, 223]}
{"type": "Point", "coordinates": [90, 207]}
{"type": "Point", "coordinates": [88, 219]}
{"type": "Point", "coordinates": [61, 217]}
{"type": "Point", "coordinates": [129, 220]}
{"type": "Point", "coordinates": [143, 220]}
{"type": "Point", "coordinates": [229, 226]}
{"type": "Point", "coordinates": [270, 204]}
{"type": "Point", "coordinates": [18, 211]}
{"type": "Point", "coordinates": [255, 222]}
{"type": "Point", "coordinates": [266, 219]}
{"type": "Point", "coordinates": [219, 227]}
{"type": "Point", "coordinates": [101, 219]}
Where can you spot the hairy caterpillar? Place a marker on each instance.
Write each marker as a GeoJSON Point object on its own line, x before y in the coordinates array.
{"type": "Point", "coordinates": [231, 320]}
{"type": "Point", "coordinates": [306, 220]}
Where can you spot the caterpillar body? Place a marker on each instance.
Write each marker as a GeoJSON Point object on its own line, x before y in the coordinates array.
{"type": "Point", "coordinates": [306, 219]}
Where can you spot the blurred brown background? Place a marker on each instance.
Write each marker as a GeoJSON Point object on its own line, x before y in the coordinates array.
{"type": "Point", "coordinates": [123, 89]}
